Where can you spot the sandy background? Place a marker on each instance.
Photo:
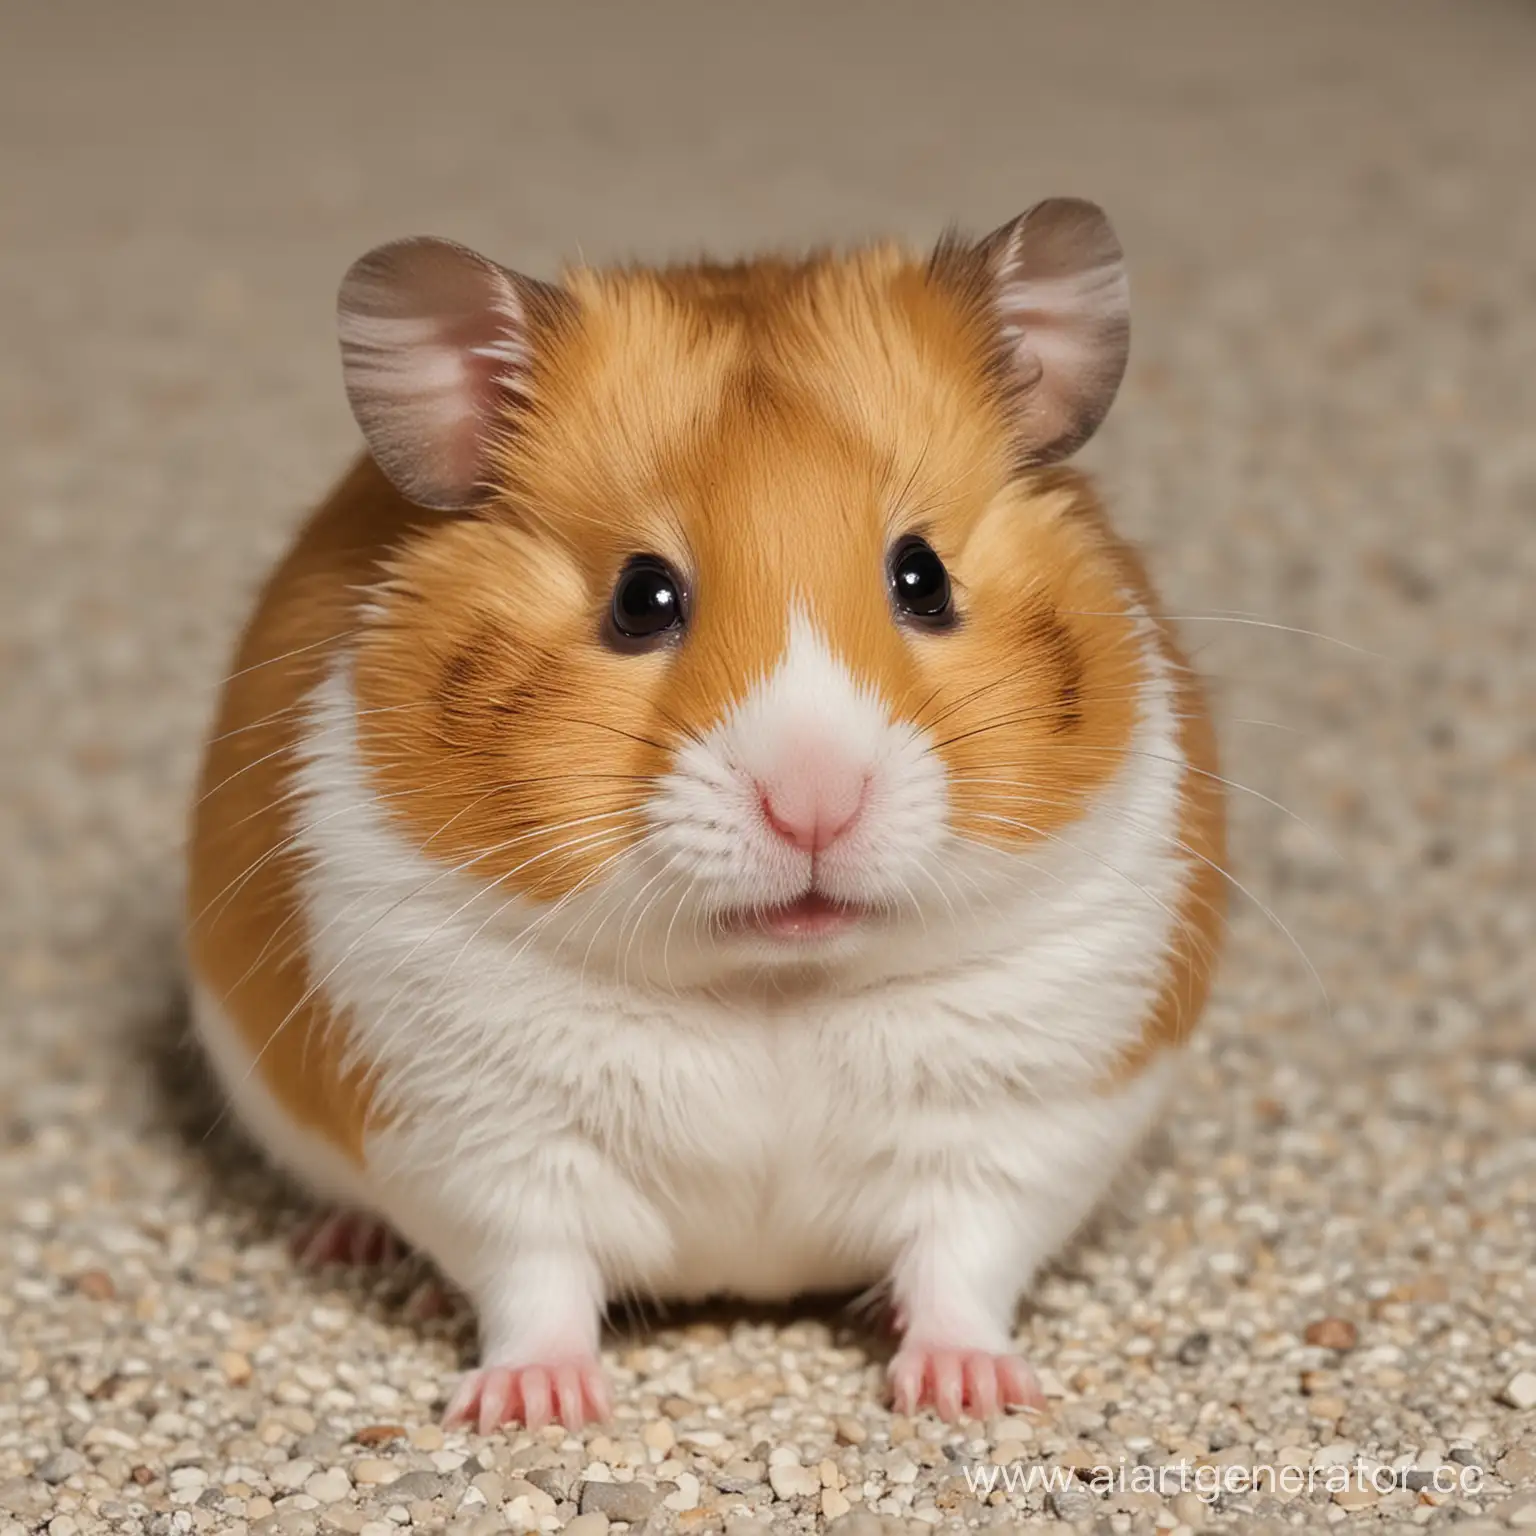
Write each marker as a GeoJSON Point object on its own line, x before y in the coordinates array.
{"type": "Point", "coordinates": [1327, 425]}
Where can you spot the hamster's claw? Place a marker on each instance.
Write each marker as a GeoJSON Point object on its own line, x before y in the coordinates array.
{"type": "Point", "coordinates": [346, 1237]}
{"type": "Point", "coordinates": [574, 1391]}
{"type": "Point", "coordinates": [959, 1383]}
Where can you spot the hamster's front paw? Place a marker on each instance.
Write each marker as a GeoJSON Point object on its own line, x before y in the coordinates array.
{"type": "Point", "coordinates": [575, 1391]}
{"type": "Point", "coordinates": [346, 1237]}
{"type": "Point", "coordinates": [957, 1383]}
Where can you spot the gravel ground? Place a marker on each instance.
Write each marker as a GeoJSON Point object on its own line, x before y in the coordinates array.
{"type": "Point", "coordinates": [1327, 426]}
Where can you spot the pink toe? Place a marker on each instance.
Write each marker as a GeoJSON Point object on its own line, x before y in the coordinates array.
{"type": "Point", "coordinates": [315, 1241]}
{"type": "Point", "coordinates": [463, 1399]}
{"type": "Point", "coordinates": [1020, 1385]}
{"type": "Point", "coordinates": [536, 1405]}
{"type": "Point", "coordinates": [906, 1381]}
{"type": "Point", "coordinates": [598, 1399]}
{"type": "Point", "coordinates": [948, 1385]}
{"type": "Point", "coordinates": [345, 1237]}
{"type": "Point", "coordinates": [569, 1404]}
{"type": "Point", "coordinates": [495, 1397]}
{"type": "Point", "coordinates": [429, 1300]}
{"type": "Point", "coordinates": [981, 1384]}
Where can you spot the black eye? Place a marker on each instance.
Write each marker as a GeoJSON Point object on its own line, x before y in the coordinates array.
{"type": "Point", "coordinates": [920, 584]}
{"type": "Point", "coordinates": [647, 600]}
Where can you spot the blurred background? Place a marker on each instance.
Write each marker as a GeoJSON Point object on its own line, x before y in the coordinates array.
{"type": "Point", "coordinates": [1327, 426]}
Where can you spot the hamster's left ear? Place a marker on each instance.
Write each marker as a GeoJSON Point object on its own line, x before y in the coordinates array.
{"type": "Point", "coordinates": [1055, 280]}
{"type": "Point", "coordinates": [436, 346]}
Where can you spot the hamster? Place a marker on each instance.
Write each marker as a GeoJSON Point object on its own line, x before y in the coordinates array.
{"type": "Point", "coordinates": [708, 805]}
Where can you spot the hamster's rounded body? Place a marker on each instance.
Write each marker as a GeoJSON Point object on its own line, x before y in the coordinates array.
{"type": "Point", "coordinates": [807, 944]}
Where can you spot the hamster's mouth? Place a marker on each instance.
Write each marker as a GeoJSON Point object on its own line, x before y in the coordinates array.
{"type": "Point", "coordinates": [808, 917]}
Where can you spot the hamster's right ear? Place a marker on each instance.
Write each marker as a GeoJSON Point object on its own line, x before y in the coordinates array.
{"type": "Point", "coordinates": [436, 344]}
{"type": "Point", "coordinates": [1053, 282]}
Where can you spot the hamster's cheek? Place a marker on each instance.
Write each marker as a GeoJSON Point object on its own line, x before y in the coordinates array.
{"type": "Point", "coordinates": [1036, 690]}
{"type": "Point", "coordinates": [499, 732]}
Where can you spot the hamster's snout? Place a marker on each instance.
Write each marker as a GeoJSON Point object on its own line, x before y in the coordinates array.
{"type": "Point", "coordinates": [806, 814]}
{"type": "Point", "coordinates": [813, 795]}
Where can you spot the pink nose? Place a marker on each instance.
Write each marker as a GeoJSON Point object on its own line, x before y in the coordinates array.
{"type": "Point", "coordinates": [812, 805]}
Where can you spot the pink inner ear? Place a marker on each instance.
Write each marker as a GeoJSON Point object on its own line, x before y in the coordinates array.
{"type": "Point", "coordinates": [433, 342]}
{"type": "Point", "coordinates": [1058, 319]}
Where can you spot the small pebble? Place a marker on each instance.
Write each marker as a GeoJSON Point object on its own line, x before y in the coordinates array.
{"type": "Point", "coordinates": [1190, 1509]}
{"type": "Point", "coordinates": [370, 1469]}
{"type": "Point", "coordinates": [789, 1480]}
{"type": "Point", "coordinates": [1336, 1333]}
{"type": "Point", "coordinates": [380, 1434]}
{"type": "Point", "coordinates": [620, 1501]}
{"type": "Point", "coordinates": [557, 1482]}
{"type": "Point", "coordinates": [418, 1485]}
{"type": "Point", "coordinates": [659, 1435]}
{"type": "Point", "coordinates": [236, 1367]}
{"type": "Point", "coordinates": [62, 1465]}
{"type": "Point", "coordinates": [686, 1494]}
{"type": "Point", "coordinates": [1072, 1504]}
{"type": "Point", "coordinates": [1194, 1349]}
{"type": "Point", "coordinates": [739, 1475]}
{"type": "Point", "coordinates": [328, 1486]}
{"type": "Point", "coordinates": [1361, 1496]}
{"type": "Point", "coordinates": [833, 1504]}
